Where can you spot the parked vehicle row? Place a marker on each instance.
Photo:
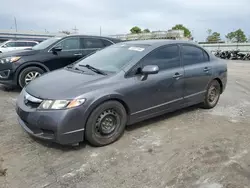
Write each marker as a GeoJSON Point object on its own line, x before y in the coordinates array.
{"type": "Point", "coordinates": [233, 54]}
{"type": "Point", "coordinates": [94, 98]}
{"type": "Point", "coordinates": [18, 68]}
{"type": "Point", "coordinates": [12, 45]}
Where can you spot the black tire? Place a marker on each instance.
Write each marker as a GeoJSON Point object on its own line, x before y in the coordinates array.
{"type": "Point", "coordinates": [25, 72]}
{"type": "Point", "coordinates": [212, 95]}
{"type": "Point", "coordinates": [95, 133]}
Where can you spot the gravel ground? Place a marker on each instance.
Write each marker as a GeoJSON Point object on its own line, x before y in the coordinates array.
{"type": "Point", "coordinates": [189, 148]}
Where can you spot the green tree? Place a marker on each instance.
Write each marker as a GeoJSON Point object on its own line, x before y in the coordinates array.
{"type": "Point", "coordinates": [187, 32]}
{"type": "Point", "coordinates": [213, 37]}
{"type": "Point", "coordinates": [237, 36]}
{"type": "Point", "coordinates": [146, 31]}
{"type": "Point", "coordinates": [135, 30]}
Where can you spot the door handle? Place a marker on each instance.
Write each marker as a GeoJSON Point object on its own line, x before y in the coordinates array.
{"type": "Point", "coordinates": [177, 75]}
{"type": "Point", "coordinates": [206, 69]}
{"type": "Point", "coordinates": [78, 54]}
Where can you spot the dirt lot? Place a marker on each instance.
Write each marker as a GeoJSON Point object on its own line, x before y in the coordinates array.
{"type": "Point", "coordinates": [190, 148]}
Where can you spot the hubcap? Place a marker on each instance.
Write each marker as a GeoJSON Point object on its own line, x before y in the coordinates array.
{"type": "Point", "coordinates": [31, 76]}
{"type": "Point", "coordinates": [107, 122]}
{"type": "Point", "coordinates": [213, 94]}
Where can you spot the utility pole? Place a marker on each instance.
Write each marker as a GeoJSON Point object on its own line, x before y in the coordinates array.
{"type": "Point", "coordinates": [100, 30]}
{"type": "Point", "coordinates": [15, 23]}
{"type": "Point", "coordinates": [75, 30]}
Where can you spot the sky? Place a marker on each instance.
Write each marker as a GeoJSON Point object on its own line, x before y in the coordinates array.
{"type": "Point", "coordinates": [119, 16]}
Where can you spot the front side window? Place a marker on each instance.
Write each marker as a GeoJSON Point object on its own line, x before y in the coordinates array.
{"type": "Point", "coordinates": [193, 55]}
{"type": "Point", "coordinates": [165, 57]}
{"type": "Point", "coordinates": [69, 44]}
{"type": "Point", "coordinates": [46, 43]}
{"type": "Point", "coordinates": [92, 43]}
{"type": "Point", "coordinates": [10, 44]}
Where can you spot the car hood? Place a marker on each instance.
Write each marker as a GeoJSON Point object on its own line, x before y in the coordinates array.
{"type": "Point", "coordinates": [24, 52]}
{"type": "Point", "coordinates": [64, 84]}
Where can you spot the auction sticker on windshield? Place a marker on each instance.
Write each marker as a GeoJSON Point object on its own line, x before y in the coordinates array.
{"type": "Point", "coordinates": [137, 49]}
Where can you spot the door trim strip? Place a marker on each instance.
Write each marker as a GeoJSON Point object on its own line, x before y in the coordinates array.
{"type": "Point", "coordinates": [150, 108]}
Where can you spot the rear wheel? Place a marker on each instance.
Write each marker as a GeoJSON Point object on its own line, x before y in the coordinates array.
{"type": "Point", "coordinates": [28, 74]}
{"type": "Point", "coordinates": [212, 95]}
{"type": "Point", "coordinates": [106, 123]}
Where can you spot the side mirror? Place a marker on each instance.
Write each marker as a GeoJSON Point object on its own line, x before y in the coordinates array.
{"type": "Point", "coordinates": [150, 69]}
{"type": "Point", "coordinates": [56, 49]}
{"type": "Point", "coordinates": [4, 46]}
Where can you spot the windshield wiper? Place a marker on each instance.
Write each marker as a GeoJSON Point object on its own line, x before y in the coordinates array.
{"type": "Point", "coordinates": [98, 71]}
{"type": "Point", "coordinates": [71, 66]}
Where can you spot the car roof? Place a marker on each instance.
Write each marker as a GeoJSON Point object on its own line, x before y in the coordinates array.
{"type": "Point", "coordinates": [94, 36]}
{"type": "Point", "coordinates": [158, 42]}
{"type": "Point", "coordinates": [21, 41]}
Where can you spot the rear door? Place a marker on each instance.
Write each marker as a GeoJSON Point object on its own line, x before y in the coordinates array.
{"type": "Point", "coordinates": [90, 45]}
{"type": "Point", "coordinates": [197, 72]}
{"type": "Point", "coordinates": [69, 54]}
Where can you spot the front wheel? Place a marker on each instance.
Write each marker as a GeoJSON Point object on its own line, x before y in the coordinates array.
{"type": "Point", "coordinates": [28, 74]}
{"type": "Point", "coordinates": [212, 95]}
{"type": "Point", "coordinates": [106, 123]}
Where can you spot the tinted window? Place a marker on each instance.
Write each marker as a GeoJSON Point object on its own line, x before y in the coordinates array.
{"type": "Point", "coordinates": [10, 44]}
{"type": "Point", "coordinates": [106, 42]}
{"type": "Point", "coordinates": [193, 55]}
{"type": "Point", "coordinates": [21, 44]}
{"type": "Point", "coordinates": [69, 44]}
{"type": "Point", "coordinates": [165, 57]}
{"type": "Point", "coordinates": [46, 43]}
{"type": "Point", "coordinates": [206, 57]}
{"type": "Point", "coordinates": [31, 43]}
{"type": "Point", "coordinates": [92, 43]}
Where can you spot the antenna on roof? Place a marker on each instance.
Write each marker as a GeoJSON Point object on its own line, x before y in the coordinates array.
{"type": "Point", "coordinates": [75, 30]}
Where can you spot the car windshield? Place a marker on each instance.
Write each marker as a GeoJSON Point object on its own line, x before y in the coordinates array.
{"type": "Point", "coordinates": [113, 58]}
{"type": "Point", "coordinates": [45, 43]}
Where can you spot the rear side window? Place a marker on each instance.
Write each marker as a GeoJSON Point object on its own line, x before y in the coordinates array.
{"type": "Point", "coordinates": [106, 42]}
{"type": "Point", "coordinates": [31, 44]}
{"type": "Point", "coordinates": [165, 57]}
{"type": "Point", "coordinates": [193, 55]}
{"type": "Point", "coordinates": [92, 43]}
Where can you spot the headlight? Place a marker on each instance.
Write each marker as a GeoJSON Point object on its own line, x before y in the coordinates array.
{"type": "Point", "coordinates": [9, 59]}
{"type": "Point", "coordinates": [60, 104]}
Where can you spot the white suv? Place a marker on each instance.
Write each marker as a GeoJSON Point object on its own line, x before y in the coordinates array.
{"type": "Point", "coordinates": [16, 45]}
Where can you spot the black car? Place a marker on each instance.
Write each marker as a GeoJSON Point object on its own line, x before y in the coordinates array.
{"type": "Point", "coordinates": [95, 98]}
{"type": "Point", "coordinates": [18, 68]}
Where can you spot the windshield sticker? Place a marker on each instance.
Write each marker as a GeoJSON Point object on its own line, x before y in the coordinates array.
{"type": "Point", "coordinates": [137, 49]}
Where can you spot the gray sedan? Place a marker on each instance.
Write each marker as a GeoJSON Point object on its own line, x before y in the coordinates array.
{"type": "Point", "coordinates": [97, 96]}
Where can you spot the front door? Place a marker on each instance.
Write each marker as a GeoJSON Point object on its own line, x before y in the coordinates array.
{"type": "Point", "coordinates": [160, 92]}
{"type": "Point", "coordinates": [197, 73]}
{"type": "Point", "coordinates": [69, 54]}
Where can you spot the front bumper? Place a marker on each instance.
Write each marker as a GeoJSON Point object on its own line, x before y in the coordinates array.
{"type": "Point", "coordinates": [60, 126]}
{"type": "Point", "coordinates": [7, 74]}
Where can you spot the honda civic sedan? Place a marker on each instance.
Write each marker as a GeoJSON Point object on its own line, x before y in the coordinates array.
{"type": "Point", "coordinates": [96, 97]}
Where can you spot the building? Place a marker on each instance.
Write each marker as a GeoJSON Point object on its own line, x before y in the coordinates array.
{"type": "Point", "coordinates": [24, 35]}
{"type": "Point", "coordinates": [170, 34]}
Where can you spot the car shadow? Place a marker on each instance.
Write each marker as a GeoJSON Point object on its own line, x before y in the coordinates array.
{"type": "Point", "coordinates": [162, 117]}
{"type": "Point", "coordinates": [82, 145]}
{"type": "Point", "coordinates": [9, 89]}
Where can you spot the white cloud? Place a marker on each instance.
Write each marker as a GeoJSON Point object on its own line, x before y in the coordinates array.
{"type": "Point", "coordinates": [118, 17]}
